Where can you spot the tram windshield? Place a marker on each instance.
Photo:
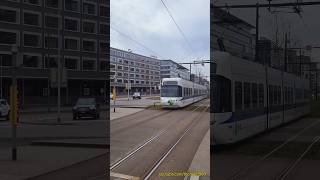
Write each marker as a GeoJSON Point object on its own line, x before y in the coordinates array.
{"type": "Point", "coordinates": [171, 91]}
{"type": "Point", "coordinates": [221, 94]}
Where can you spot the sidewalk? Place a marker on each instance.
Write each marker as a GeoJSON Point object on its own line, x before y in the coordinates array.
{"type": "Point", "coordinates": [201, 160]}
{"type": "Point", "coordinates": [36, 160]}
{"type": "Point", "coordinates": [45, 109]}
{"type": "Point", "coordinates": [121, 112]}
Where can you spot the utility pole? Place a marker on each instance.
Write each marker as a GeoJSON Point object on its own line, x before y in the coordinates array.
{"type": "Point", "coordinates": [285, 53]}
{"type": "Point", "coordinates": [257, 33]}
{"type": "Point", "coordinates": [59, 59]}
{"type": "Point", "coordinates": [1, 77]}
{"type": "Point", "coordinates": [300, 58]}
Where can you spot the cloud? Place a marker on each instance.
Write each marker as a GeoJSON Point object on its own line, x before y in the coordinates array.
{"type": "Point", "coordinates": [147, 22]}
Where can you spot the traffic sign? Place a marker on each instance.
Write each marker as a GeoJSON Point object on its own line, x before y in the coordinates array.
{"type": "Point", "coordinates": [114, 95]}
{"type": "Point", "coordinates": [54, 77]}
{"type": "Point", "coordinates": [128, 85]}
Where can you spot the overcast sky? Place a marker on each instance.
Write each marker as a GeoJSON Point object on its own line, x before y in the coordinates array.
{"type": "Point", "coordinates": [148, 22]}
{"type": "Point", "coordinates": [304, 30]}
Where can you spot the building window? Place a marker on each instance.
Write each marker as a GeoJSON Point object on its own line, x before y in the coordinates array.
{"type": "Point", "coordinates": [31, 19]}
{"type": "Point", "coordinates": [119, 67]}
{"type": "Point", "coordinates": [89, 8]}
{"type": "Point", "coordinates": [104, 46]}
{"type": "Point", "coordinates": [32, 40]}
{"type": "Point", "coordinates": [5, 59]}
{"type": "Point", "coordinates": [71, 44]}
{"type": "Point", "coordinates": [89, 45]}
{"type": "Point", "coordinates": [86, 91]}
{"type": "Point", "coordinates": [8, 15]}
{"type": "Point", "coordinates": [112, 66]}
{"type": "Point", "coordinates": [31, 61]}
{"type": "Point", "coordinates": [104, 11]}
{"type": "Point", "coordinates": [71, 63]}
{"type": "Point", "coordinates": [8, 37]}
{"type": "Point", "coordinates": [50, 62]}
{"type": "Point", "coordinates": [89, 27]}
{"type": "Point", "coordinates": [51, 42]}
{"type": "Point", "coordinates": [89, 65]}
{"type": "Point", "coordinates": [71, 24]}
{"type": "Point", "coordinates": [52, 3]}
{"type": "Point", "coordinates": [103, 65]}
{"type": "Point", "coordinates": [119, 74]}
{"type": "Point", "coordinates": [104, 29]}
{"type": "Point", "coordinates": [51, 22]}
{"type": "Point", "coordinates": [71, 5]}
{"type": "Point", "coordinates": [35, 2]}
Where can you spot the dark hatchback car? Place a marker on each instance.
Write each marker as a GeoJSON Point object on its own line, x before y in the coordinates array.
{"type": "Point", "coordinates": [86, 107]}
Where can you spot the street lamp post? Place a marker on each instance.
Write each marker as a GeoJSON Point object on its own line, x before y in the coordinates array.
{"type": "Point", "coordinates": [1, 77]}
{"type": "Point", "coordinates": [128, 82]}
{"type": "Point", "coordinates": [15, 52]}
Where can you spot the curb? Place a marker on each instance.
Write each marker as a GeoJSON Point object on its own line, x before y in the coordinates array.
{"type": "Point", "coordinates": [54, 111]}
{"type": "Point", "coordinates": [44, 123]}
{"type": "Point", "coordinates": [64, 144]}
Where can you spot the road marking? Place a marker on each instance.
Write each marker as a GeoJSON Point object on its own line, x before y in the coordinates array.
{"type": "Point", "coordinates": [123, 176]}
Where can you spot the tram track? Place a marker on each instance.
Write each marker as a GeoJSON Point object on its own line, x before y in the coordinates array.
{"type": "Point", "coordinates": [244, 173]}
{"type": "Point", "coordinates": [131, 121]}
{"type": "Point", "coordinates": [162, 158]}
{"type": "Point", "coordinates": [156, 137]}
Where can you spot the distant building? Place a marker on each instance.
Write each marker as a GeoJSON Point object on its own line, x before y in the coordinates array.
{"type": "Point", "coordinates": [199, 80]}
{"type": "Point", "coordinates": [171, 69]}
{"type": "Point", "coordinates": [231, 34]}
{"type": "Point", "coordinates": [270, 54]}
{"type": "Point", "coordinates": [141, 72]}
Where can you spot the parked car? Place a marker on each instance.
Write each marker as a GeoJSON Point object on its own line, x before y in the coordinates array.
{"type": "Point", "coordinates": [136, 95]}
{"type": "Point", "coordinates": [4, 108]}
{"type": "Point", "coordinates": [86, 107]}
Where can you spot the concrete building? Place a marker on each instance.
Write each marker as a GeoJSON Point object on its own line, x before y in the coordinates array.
{"type": "Point", "coordinates": [142, 72]}
{"type": "Point", "coordinates": [231, 34]}
{"type": "Point", "coordinates": [270, 54]}
{"type": "Point", "coordinates": [32, 27]}
{"type": "Point", "coordinates": [171, 69]}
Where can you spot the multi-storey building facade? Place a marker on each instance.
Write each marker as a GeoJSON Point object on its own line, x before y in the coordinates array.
{"type": "Point", "coordinates": [32, 26]}
{"type": "Point", "coordinates": [171, 69]}
{"type": "Point", "coordinates": [142, 73]}
{"type": "Point", "coordinates": [231, 34]}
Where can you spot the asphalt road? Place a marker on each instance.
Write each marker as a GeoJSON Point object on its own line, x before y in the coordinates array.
{"type": "Point", "coordinates": [161, 129]}
{"type": "Point", "coordinates": [41, 127]}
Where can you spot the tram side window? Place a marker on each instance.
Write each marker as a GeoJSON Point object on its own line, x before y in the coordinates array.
{"type": "Point", "coordinates": [261, 95]}
{"type": "Point", "coordinates": [270, 94]}
{"type": "Point", "coordinates": [275, 95]}
{"type": "Point", "coordinates": [279, 95]}
{"type": "Point", "coordinates": [254, 95]}
{"type": "Point", "coordinates": [247, 96]}
{"type": "Point", "coordinates": [290, 95]}
{"type": "Point", "coordinates": [221, 94]}
{"type": "Point", "coordinates": [238, 95]}
{"type": "Point", "coordinates": [285, 95]}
